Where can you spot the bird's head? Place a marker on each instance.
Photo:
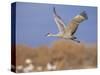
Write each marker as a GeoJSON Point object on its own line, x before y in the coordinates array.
{"type": "Point", "coordinates": [48, 34]}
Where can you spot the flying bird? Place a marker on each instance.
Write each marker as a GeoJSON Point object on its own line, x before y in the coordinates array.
{"type": "Point", "coordinates": [68, 31]}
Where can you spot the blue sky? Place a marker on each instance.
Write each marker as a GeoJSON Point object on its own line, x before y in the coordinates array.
{"type": "Point", "coordinates": [34, 20]}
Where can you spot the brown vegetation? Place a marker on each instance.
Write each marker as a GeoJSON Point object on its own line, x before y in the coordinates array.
{"type": "Point", "coordinates": [64, 54]}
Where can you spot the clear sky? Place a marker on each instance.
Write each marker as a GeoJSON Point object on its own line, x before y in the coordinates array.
{"type": "Point", "coordinates": [34, 20]}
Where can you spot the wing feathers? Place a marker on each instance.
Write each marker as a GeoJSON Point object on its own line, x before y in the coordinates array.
{"type": "Point", "coordinates": [84, 14]}
{"type": "Point", "coordinates": [71, 28]}
{"type": "Point", "coordinates": [73, 25]}
{"type": "Point", "coordinates": [60, 24]}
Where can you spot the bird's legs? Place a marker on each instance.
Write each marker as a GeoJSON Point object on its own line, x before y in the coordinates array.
{"type": "Point", "coordinates": [75, 39]}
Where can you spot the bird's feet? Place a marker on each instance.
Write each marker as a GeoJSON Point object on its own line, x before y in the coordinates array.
{"type": "Point", "coordinates": [76, 41]}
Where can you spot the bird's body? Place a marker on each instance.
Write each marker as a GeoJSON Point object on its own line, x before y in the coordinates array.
{"type": "Point", "coordinates": [67, 32]}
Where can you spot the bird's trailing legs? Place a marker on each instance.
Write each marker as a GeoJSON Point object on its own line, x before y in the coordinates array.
{"type": "Point", "coordinates": [75, 39]}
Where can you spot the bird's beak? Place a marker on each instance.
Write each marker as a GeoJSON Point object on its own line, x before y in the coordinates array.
{"type": "Point", "coordinates": [46, 35]}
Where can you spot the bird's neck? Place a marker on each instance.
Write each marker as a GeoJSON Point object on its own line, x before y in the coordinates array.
{"type": "Point", "coordinates": [54, 35]}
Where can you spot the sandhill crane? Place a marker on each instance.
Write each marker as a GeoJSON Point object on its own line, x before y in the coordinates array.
{"type": "Point", "coordinates": [68, 31]}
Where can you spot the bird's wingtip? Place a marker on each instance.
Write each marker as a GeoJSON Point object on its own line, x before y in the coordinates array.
{"type": "Point", "coordinates": [54, 10]}
{"type": "Point", "coordinates": [53, 7]}
{"type": "Point", "coordinates": [84, 14]}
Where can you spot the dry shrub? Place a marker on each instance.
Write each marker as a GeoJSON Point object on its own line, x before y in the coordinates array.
{"type": "Point", "coordinates": [64, 54]}
{"type": "Point", "coordinates": [23, 52]}
{"type": "Point", "coordinates": [42, 56]}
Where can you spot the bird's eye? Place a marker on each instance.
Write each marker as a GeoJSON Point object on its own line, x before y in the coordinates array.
{"type": "Point", "coordinates": [48, 33]}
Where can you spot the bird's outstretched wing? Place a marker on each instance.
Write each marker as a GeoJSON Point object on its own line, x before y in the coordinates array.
{"type": "Point", "coordinates": [60, 24]}
{"type": "Point", "coordinates": [73, 25]}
